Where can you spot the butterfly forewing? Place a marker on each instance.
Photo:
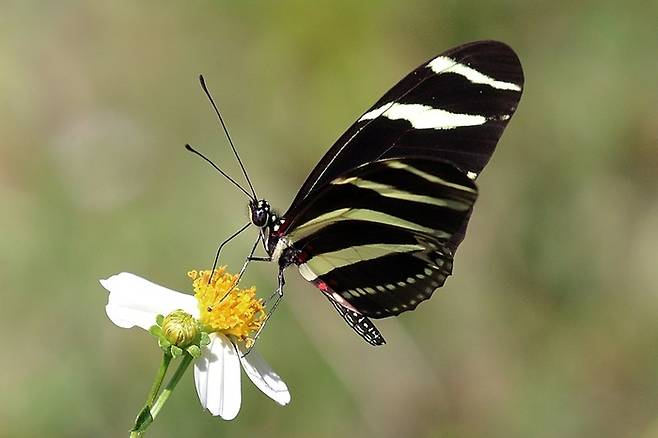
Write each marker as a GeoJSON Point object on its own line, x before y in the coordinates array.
{"type": "Point", "coordinates": [453, 107]}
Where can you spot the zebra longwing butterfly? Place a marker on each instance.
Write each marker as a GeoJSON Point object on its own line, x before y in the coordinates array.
{"type": "Point", "coordinates": [377, 222]}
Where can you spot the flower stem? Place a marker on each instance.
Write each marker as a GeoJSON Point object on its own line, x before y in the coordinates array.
{"type": "Point", "coordinates": [159, 403]}
{"type": "Point", "coordinates": [144, 418]}
{"type": "Point", "coordinates": [157, 382]}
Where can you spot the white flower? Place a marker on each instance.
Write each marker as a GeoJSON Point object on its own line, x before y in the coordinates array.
{"type": "Point", "coordinates": [134, 301]}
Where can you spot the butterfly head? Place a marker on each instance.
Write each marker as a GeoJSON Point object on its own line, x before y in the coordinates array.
{"type": "Point", "coordinates": [260, 213]}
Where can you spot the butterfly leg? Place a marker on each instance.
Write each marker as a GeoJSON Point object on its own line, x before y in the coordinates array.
{"type": "Point", "coordinates": [244, 267]}
{"type": "Point", "coordinates": [260, 259]}
{"type": "Point", "coordinates": [249, 258]}
{"type": "Point", "coordinates": [279, 292]}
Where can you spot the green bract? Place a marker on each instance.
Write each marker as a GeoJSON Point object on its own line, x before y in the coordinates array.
{"type": "Point", "coordinates": [179, 332]}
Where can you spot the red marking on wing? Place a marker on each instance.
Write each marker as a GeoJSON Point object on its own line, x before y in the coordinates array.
{"type": "Point", "coordinates": [333, 296]}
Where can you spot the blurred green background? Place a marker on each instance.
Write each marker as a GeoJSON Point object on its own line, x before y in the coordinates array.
{"type": "Point", "coordinates": [548, 327]}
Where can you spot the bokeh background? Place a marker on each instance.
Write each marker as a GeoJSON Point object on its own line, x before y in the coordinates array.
{"type": "Point", "coordinates": [548, 327]}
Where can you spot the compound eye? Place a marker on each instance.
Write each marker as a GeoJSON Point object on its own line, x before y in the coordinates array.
{"type": "Point", "coordinates": [259, 217]}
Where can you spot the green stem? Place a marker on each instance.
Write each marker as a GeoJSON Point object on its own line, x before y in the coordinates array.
{"type": "Point", "coordinates": [159, 403]}
{"type": "Point", "coordinates": [142, 420]}
{"type": "Point", "coordinates": [157, 382]}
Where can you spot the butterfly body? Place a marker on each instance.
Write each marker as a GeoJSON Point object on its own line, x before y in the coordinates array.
{"type": "Point", "coordinates": [376, 224]}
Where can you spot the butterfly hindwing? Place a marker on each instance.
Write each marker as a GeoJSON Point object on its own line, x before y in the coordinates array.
{"type": "Point", "coordinates": [377, 235]}
{"type": "Point", "coordinates": [391, 284]}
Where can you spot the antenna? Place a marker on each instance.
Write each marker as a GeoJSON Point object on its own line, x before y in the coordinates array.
{"type": "Point", "coordinates": [228, 136]}
{"type": "Point", "coordinates": [194, 151]}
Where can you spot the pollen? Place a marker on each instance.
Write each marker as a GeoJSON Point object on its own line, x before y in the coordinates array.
{"type": "Point", "coordinates": [224, 307]}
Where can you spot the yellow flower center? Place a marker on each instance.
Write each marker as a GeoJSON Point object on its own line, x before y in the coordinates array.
{"type": "Point", "coordinates": [225, 308]}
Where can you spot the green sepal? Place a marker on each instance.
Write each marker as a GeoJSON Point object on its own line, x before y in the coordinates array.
{"type": "Point", "coordinates": [176, 352]}
{"type": "Point", "coordinates": [194, 351]}
{"type": "Point", "coordinates": [205, 339]}
{"type": "Point", "coordinates": [143, 420]}
{"type": "Point", "coordinates": [163, 343]}
{"type": "Point", "coordinates": [159, 319]}
{"type": "Point", "coordinates": [156, 330]}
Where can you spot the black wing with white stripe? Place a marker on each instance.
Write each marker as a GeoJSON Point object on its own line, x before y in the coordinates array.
{"type": "Point", "coordinates": [453, 107]}
{"type": "Point", "coordinates": [376, 237]}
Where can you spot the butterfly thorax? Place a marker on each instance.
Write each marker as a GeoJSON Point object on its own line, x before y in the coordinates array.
{"type": "Point", "coordinates": [279, 247]}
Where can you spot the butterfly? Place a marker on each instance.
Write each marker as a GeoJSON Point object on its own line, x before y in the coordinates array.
{"type": "Point", "coordinates": [376, 224]}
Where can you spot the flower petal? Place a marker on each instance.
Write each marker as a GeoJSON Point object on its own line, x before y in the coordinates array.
{"type": "Point", "coordinates": [135, 301]}
{"type": "Point", "coordinates": [217, 377]}
{"type": "Point", "coordinates": [264, 377]}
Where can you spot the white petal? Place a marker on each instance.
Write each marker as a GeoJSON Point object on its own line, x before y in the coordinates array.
{"type": "Point", "coordinates": [217, 377]}
{"type": "Point", "coordinates": [134, 301]}
{"type": "Point", "coordinates": [264, 377]}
